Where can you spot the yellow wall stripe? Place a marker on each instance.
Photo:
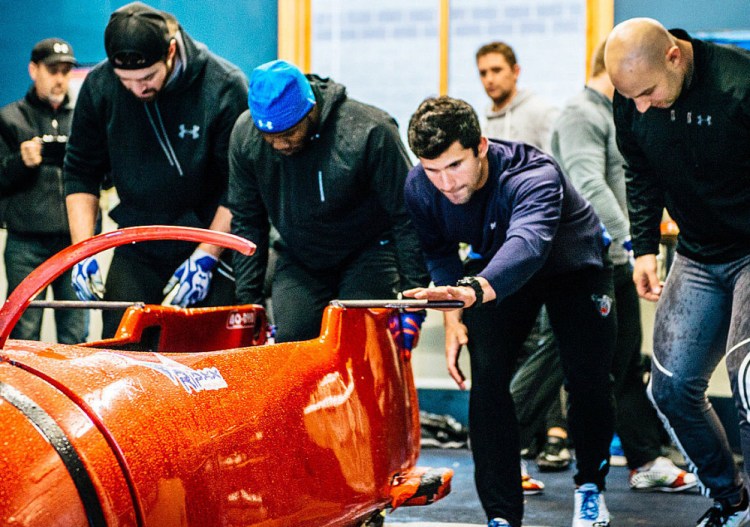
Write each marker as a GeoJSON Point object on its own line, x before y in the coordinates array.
{"type": "Point", "coordinates": [295, 32]}
{"type": "Point", "coordinates": [600, 19]}
{"type": "Point", "coordinates": [444, 31]}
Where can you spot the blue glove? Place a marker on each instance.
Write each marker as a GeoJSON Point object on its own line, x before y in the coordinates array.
{"type": "Point", "coordinates": [189, 283]}
{"type": "Point", "coordinates": [628, 246]}
{"type": "Point", "coordinates": [87, 281]}
{"type": "Point", "coordinates": [405, 329]}
{"type": "Point", "coordinates": [606, 237]}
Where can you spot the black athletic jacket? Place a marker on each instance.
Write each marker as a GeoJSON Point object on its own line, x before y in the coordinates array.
{"type": "Point", "coordinates": [340, 194]}
{"type": "Point", "coordinates": [693, 158]}
{"type": "Point", "coordinates": [168, 158]}
{"type": "Point", "coordinates": [32, 198]}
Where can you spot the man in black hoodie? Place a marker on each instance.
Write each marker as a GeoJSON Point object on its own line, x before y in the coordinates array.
{"type": "Point", "coordinates": [329, 172]}
{"type": "Point", "coordinates": [156, 115]}
{"type": "Point", "coordinates": [682, 113]}
{"type": "Point", "coordinates": [33, 132]}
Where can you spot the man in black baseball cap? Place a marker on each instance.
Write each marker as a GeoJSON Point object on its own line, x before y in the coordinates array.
{"type": "Point", "coordinates": [141, 45]}
{"type": "Point", "coordinates": [137, 36]}
{"type": "Point", "coordinates": [33, 135]}
{"type": "Point", "coordinates": [155, 117]}
{"type": "Point", "coordinates": [53, 51]}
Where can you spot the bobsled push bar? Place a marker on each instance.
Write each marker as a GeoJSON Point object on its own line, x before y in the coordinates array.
{"type": "Point", "coordinates": [410, 303]}
{"type": "Point", "coordinates": [78, 304]}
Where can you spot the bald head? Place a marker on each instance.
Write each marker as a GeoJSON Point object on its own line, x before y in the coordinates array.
{"type": "Point", "coordinates": [646, 63]}
{"type": "Point", "coordinates": [638, 42]}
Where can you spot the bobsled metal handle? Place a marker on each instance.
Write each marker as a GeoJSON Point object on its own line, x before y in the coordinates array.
{"type": "Point", "coordinates": [78, 304]}
{"type": "Point", "coordinates": [400, 304]}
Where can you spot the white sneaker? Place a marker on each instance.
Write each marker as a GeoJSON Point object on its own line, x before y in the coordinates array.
{"type": "Point", "coordinates": [590, 509]}
{"type": "Point", "coordinates": [662, 476]}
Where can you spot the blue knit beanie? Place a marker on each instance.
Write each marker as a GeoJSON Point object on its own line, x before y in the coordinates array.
{"type": "Point", "coordinates": [280, 96]}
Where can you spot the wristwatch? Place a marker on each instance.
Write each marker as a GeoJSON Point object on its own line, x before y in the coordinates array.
{"type": "Point", "coordinates": [471, 281]}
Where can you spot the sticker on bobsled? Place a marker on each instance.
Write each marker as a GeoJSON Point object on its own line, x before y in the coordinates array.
{"type": "Point", "coordinates": [237, 320]}
{"type": "Point", "coordinates": [181, 375]}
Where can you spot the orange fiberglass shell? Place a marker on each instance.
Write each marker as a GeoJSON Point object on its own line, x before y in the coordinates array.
{"type": "Point", "coordinates": [189, 417]}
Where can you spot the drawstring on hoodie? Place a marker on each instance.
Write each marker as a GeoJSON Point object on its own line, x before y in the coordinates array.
{"type": "Point", "coordinates": [163, 138]}
{"type": "Point", "coordinates": [320, 186]}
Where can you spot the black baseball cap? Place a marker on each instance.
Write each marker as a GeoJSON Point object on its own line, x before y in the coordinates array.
{"type": "Point", "coordinates": [52, 51]}
{"type": "Point", "coordinates": [136, 36]}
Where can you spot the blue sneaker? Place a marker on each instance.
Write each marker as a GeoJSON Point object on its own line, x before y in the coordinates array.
{"type": "Point", "coordinates": [498, 522]}
{"type": "Point", "coordinates": [616, 453]}
{"type": "Point", "coordinates": [590, 509]}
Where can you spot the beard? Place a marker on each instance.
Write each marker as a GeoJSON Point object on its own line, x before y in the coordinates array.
{"type": "Point", "coordinates": [55, 99]}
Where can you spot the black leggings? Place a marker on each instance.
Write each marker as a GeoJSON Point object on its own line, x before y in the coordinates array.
{"type": "Point", "coordinates": [582, 314]}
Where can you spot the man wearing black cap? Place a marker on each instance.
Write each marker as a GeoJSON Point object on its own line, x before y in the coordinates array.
{"type": "Point", "coordinates": [329, 172]}
{"type": "Point", "coordinates": [157, 114]}
{"type": "Point", "coordinates": [33, 133]}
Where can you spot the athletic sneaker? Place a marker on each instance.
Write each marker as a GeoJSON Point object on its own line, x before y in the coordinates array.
{"type": "Point", "coordinates": [530, 485]}
{"type": "Point", "coordinates": [721, 514]}
{"type": "Point", "coordinates": [662, 476]}
{"type": "Point", "coordinates": [590, 509]}
{"type": "Point", "coordinates": [555, 455]}
{"type": "Point", "coordinates": [498, 522]}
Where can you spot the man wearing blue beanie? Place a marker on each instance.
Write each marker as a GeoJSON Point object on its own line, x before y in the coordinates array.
{"type": "Point", "coordinates": [328, 173]}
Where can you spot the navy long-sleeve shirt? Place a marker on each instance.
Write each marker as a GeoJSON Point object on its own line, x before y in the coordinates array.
{"type": "Point", "coordinates": [527, 220]}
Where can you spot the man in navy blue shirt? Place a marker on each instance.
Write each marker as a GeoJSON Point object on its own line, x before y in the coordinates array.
{"type": "Point", "coordinates": [540, 243]}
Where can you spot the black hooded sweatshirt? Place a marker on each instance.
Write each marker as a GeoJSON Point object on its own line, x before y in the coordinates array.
{"type": "Point", "coordinates": [693, 158]}
{"type": "Point", "coordinates": [168, 157]}
{"type": "Point", "coordinates": [32, 201]}
{"type": "Point", "coordinates": [343, 192]}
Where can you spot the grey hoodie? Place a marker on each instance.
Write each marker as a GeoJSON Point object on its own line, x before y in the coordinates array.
{"type": "Point", "coordinates": [528, 118]}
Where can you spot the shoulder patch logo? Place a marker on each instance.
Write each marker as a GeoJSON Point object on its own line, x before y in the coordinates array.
{"type": "Point", "coordinates": [603, 304]}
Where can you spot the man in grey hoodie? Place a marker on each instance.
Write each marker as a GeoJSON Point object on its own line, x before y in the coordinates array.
{"type": "Point", "coordinates": [516, 114]}
{"type": "Point", "coordinates": [585, 146]}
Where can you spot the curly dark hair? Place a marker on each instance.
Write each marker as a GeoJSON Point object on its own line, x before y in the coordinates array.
{"type": "Point", "coordinates": [441, 121]}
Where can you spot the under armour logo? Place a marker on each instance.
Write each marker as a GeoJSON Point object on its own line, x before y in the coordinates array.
{"type": "Point", "coordinates": [193, 132]}
{"type": "Point", "coordinates": [60, 47]}
{"type": "Point", "coordinates": [493, 225]}
{"type": "Point", "coordinates": [707, 119]}
{"type": "Point", "coordinates": [268, 125]}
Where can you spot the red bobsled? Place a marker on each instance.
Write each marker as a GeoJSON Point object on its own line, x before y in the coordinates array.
{"type": "Point", "coordinates": [190, 418]}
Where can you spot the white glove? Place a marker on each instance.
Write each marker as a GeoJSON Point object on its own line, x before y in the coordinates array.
{"type": "Point", "coordinates": [189, 283]}
{"type": "Point", "coordinates": [87, 280]}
